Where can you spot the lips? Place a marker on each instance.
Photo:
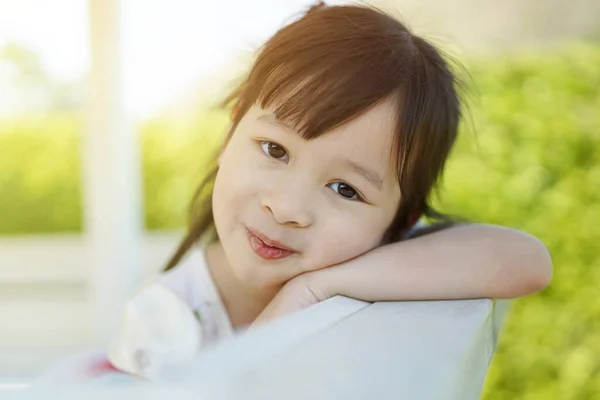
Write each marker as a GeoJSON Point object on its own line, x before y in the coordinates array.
{"type": "Point", "coordinates": [267, 248]}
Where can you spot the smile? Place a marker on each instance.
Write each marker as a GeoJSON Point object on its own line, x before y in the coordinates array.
{"type": "Point", "coordinates": [266, 248]}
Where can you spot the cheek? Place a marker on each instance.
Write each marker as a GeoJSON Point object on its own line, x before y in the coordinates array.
{"type": "Point", "coordinates": [235, 179]}
{"type": "Point", "coordinates": [225, 200]}
{"type": "Point", "coordinates": [229, 198]}
{"type": "Point", "coordinates": [236, 194]}
{"type": "Point", "coordinates": [344, 237]}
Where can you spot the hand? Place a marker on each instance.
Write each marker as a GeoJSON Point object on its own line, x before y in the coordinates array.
{"type": "Point", "coordinates": [300, 292]}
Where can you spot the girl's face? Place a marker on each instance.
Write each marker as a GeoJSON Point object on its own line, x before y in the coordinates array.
{"type": "Point", "coordinates": [323, 201]}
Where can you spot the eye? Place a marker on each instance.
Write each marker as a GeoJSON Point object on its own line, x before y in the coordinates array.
{"type": "Point", "coordinates": [346, 191]}
{"type": "Point", "coordinates": [274, 150]}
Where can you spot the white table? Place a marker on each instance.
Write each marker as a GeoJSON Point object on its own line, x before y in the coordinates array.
{"type": "Point", "coordinates": [339, 349]}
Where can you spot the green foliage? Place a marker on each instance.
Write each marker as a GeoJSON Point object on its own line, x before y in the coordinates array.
{"type": "Point", "coordinates": [532, 163]}
{"type": "Point", "coordinates": [175, 155]}
{"type": "Point", "coordinates": [40, 180]}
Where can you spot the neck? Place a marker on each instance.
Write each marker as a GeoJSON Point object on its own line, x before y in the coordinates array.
{"type": "Point", "coordinates": [243, 303]}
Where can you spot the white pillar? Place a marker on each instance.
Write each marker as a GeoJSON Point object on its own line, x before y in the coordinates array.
{"type": "Point", "coordinates": [111, 178]}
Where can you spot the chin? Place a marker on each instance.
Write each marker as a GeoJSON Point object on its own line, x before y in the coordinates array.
{"type": "Point", "coordinates": [257, 275]}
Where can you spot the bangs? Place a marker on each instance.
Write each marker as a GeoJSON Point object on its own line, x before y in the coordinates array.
{"type": "Point", "coordinates": [329, 69]}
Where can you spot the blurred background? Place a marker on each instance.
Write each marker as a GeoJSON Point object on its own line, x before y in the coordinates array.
{"type": "Point", "coordinates": [107, 113]}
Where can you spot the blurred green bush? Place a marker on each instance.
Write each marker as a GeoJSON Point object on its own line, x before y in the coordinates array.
{"type": "Point", "coordinates": [532, 162]}
{"type": "Point", "coordinates": [40, 163]}
{"type": "Point", "coordinates": [40, 178]}
{"type": "Point", "coordinates": [174, 154]}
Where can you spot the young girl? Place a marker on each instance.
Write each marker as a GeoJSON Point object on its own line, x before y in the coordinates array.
{"type": "Point", "coordinates": [339, 133]}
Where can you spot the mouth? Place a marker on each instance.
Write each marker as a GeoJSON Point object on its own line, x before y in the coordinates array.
{"type": "Point", "coordinates": [267, 248]}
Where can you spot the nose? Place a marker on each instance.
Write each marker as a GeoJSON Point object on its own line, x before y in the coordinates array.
{"type": "Point", "coordinates": [289, 207]}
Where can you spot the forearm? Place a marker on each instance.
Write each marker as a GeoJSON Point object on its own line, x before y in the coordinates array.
{"type": "Point", "coordinates": [469, 261]}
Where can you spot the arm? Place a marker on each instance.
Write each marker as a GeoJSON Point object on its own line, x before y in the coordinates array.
{"type": "Point", "coordinates": [465, 261]}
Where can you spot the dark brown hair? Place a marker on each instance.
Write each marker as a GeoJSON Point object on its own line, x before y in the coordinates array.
{"type": "Point", "coordinates": [334, 64]}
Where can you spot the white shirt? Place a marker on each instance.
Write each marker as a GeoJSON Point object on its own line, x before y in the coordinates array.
{"type": "Point", "coordinates": [168, 321]}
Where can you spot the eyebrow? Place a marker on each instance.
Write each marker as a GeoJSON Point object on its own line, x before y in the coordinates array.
{"type": "Point", "coordinates": [372, 177]}
{"type": "Point", "coordinates": [271, 119]}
